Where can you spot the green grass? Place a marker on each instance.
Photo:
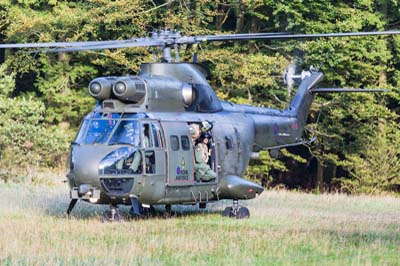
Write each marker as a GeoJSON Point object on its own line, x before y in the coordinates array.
{"type": "Point", "coordinates": [285, 228]}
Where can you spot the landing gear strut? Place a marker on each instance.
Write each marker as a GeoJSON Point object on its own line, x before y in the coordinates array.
{"type": "Point", "coordinates": [236, 211]}
{"type": "Point", "coordinates": [71, 206]}
{"type": "Point", "coordinates": [168, 211]}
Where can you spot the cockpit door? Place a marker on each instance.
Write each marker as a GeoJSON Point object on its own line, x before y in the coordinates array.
{"type": "Point", "coordinates": [153, 148]}
{"type": "Point", "coordinates": [180, 155]}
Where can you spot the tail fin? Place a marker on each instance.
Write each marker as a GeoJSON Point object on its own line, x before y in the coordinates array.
{"type": "Point", "coordinates": [301, 103]}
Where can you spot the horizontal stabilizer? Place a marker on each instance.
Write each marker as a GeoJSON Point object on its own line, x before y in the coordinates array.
{"type": "Point", "coordinates": [329, 90]}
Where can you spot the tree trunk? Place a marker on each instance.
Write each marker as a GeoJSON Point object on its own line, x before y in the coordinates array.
{"type": "Point", "coordinates": [239, 12]}
{"type": "Point", "coordinates": [222, 14]}
{"type": "Point", "coordinates": [254, 27]}
{"type": "Point", "coordinates": [319, 181]}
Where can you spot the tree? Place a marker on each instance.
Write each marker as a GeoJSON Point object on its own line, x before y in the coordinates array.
{"type": "Point", "coordinates": [377, 168]}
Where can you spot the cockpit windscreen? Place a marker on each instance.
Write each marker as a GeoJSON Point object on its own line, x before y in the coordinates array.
{"type": "Point", "coordinates": [127, 132]}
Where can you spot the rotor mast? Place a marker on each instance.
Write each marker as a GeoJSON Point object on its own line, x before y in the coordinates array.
{"type": "Point", "coordinates": [169, 38]}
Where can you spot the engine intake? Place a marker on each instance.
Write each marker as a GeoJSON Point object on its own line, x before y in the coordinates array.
{"type": "Point", "coordinates": [130, 89]}
{"type": "Point", "coordinates": [100, 88]}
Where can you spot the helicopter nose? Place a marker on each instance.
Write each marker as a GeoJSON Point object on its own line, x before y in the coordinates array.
{"type": "Point", "coordinates": [86, 164]}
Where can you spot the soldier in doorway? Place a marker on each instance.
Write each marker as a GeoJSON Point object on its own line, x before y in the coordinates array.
{"type": "Point", "coordinates": [203, 171]}
{"type": "Point", "coordinates": [204, 146]}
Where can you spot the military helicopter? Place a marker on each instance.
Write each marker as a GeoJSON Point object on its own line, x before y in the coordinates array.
{"type": "Point", "coordinates": [139, 145]}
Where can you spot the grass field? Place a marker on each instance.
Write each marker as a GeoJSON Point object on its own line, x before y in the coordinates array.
{"type": "Point", "coordinates": [285, 228]}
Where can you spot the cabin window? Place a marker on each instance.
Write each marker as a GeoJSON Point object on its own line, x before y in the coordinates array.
{"type": "Point", "coordinates": [228, 142]}
{"type": "Point", "coordinates": [174, 142]}
{"type": "Point", "coordinates": [185, 143]}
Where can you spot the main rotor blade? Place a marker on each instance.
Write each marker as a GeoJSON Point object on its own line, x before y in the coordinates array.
{"type": "Point", "coordinates": [227, 37]}
{"type": "Point", "coordinates": [334, 90]}
{"type": "Point", "coordinates": [86, 45]}
{"type": "Point", "coordinates": [169, 39]}
{"type": "Point", "coordinates": [59, 44]}
{"type": "Point", "coordinates": [125, 44]}
{"type": "Point", "coordinates": [280, 36]}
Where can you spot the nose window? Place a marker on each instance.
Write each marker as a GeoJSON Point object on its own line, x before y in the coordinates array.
{"type": "Point", "coordinates": [123, 161]}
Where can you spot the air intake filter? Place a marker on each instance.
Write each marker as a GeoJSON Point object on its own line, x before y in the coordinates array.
{"type": "Point", "coordinates": [129, 89]}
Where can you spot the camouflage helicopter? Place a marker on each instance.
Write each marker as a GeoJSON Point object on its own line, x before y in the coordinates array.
{"type": "Point", "coordinates": [163, 137]}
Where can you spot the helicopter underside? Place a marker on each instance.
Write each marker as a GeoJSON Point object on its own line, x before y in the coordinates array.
{"type": "Point", "coordinates": [116, 191]}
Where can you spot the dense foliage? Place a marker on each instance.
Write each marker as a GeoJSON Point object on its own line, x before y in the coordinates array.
{"type": "Point", "coordinates": [43, 97]}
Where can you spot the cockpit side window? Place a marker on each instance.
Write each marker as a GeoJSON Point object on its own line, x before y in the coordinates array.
{"type": "Point", "coordinates": [126, 133]}
{"type": "Point", "coordinates": [82, 131]}
{"type": "Point", "coordinates": [147, 141]}
{"type": "Point", "coordinates": [156, 135]}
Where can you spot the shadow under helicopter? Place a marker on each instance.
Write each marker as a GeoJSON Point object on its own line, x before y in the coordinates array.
{"type": "Point", "coordinates": [85, 211]}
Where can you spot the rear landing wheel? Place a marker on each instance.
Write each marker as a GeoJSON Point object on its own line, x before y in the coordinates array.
{"type": "Point", "coordinates": [227, 212]}
{"type": "Point", "coordinates": [236, 211]}
{"type": "Point", "coordinates": [243, 213]}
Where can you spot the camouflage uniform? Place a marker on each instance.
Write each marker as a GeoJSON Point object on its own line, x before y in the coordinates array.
{"type": "Point", "coordinates": [204, 151]}
{"type": "Point", "coordinates": [203, 171]}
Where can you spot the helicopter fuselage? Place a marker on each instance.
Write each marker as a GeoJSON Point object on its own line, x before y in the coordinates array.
{"type": "Point", "coordinates": [137, 142]}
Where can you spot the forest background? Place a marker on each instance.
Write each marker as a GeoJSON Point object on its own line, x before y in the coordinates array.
{"type": "Point", "coordinates": [43, 97]}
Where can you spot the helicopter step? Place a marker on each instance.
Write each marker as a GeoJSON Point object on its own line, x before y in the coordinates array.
{"type": "Point", "coordinates": [139, 210]}
{"type": "Point", "coordinates": [202, 197]}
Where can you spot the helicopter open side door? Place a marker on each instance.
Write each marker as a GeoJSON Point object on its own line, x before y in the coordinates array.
{"type": "Point", "coordinates": [153, 148]}
{"type": "Point", "coordinates": [180, 154]}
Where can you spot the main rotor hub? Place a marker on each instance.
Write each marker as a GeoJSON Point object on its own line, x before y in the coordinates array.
{"type": "Point", "coordinates": [168, 35]}
{"type": "Point", "coordinates": [169, 38]}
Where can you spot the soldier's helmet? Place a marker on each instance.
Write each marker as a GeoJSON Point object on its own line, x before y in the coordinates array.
{"type": "Point", "coordinates": [206, 126]}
